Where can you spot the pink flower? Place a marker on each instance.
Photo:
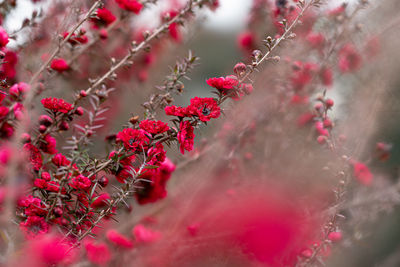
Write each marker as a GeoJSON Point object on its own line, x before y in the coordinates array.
{"type": "Point", "coordinates": [373, 47]}
{"type": "Point", "coordinates": [7, 68]}
{"type": "Point", "coordinates": [118, 239]}
{"type": "Point", "coordinates": [155, 189]}
{"type": "Point", "coordinates": [59, 65]}
{"type": "Point", "coordinates": [303, 74]}
{"type": "Point", "coordinates": [246, 41]}
{"type": "Point", "coordinates": [316, 40]}
{"type": "Point", "coordinates": [104, 17]}
{"type": "Point", "coordinates": [349, 59]}
{"type": "Point", "coordinates": [3, 37]}
{"type": "Point", "coordinates": [338, 10]}
{"type": "Point", "coordinates": [48, 145]}
{"type": "Point", "coordinates": [60, 160]}
{"type": "Point", "coordinates": [130, 5]}
{"type": "Point", "coordinates": [4, 111]}
{"type": "Point", "coordinates": [145, 235]}
{"type": "Point", "coordinates": [47, 250]}
{"type": "Point", "coordinates": [76, 39]}
{"type": "Point", "coordinates": [80, 182]}
{"type": "Point", "coordinates": [326, 76]}
{"type": "Point", "coordinates": [153, 127]}
{"type": "Point", "coordinates": [335, 236]}
{"type": "Point", "coordinates": [133, 139]}
{"type": "Point", "coordinates": [100, 200]}
{"type": "Point", "coordinates": [56, 104]}
{"type": "Point", "coordinates": [186, 136]}
{"type": "Point", "coordinates": [97, 253]}
{"type": "Point", "coordinates": [19, 89]}
{"type": "Point", "coordinates": [33, 206]}
{"type": "Point", "coordinates": [362, 173]}
{"type": "Point", "coordinates": [156, 154]}
{"type": "Point", "coordinates": [35, 157]}
{"type": "Point", "coordinates": [34, 225]}
{"type": "Point", "coordinates": [204, 108]}
{"type": "Point", "coordinates": [223, 84]}
{"type": "Point", "coordinates": [177, 111]}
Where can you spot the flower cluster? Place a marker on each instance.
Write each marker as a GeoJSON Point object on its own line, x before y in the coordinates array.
{"type": "Point", "coordinates": [56, 105]}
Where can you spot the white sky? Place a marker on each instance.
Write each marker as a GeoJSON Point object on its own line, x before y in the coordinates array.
{"type": "Point", "coordinates": [231, 15]}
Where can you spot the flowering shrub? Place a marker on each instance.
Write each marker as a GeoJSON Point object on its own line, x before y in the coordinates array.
{"type": "Point", "coordinates": [266, 167]}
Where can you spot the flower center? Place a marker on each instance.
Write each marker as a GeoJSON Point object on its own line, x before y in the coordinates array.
{"type": "Point", "coordinates": [132, 141]}
{"type": "Point", "coordinates": [206, 111]}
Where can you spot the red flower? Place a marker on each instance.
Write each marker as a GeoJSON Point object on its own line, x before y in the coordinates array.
{"type": "Point", "coordinates": [19, 89]}
{"type": "Point", "coordinates": [153, 127]}
{"type": "Point", "coordinates": [7, 130]}
{"type": "Point", "coordinates": [59, 65]}
{"type": "Point", "coordinates": [174, 32]}
{"type": "Point", "coordinates": [349, 59]}
{"type": "Point", "coordinates": [130, 5]}
{"type": "Point", "coordinates": [223, 84]}
{"type": "Point", "coordinates": [104, 17]}
{"type": "Point", "coordinates": [33, 206]}
{"type": "Point", "coordinates": [97, 253]}
{"type": "Point", "coordinates": [34, 225]}
{"type": "Point", "coordinates": [80, 182]}
{"type": "Point", "coordinates": [335, 236]}
{"type": "Point", "coordinates": [118, 239]}
{"type": "Point", "coordinates": [100, 200]}
{"type": "Point", "coordinates": [246, 41]}
{"type": "Point", "coordinates": [186, 136]}
{"type": "Point", "coordinates": [133, 139]}
{"type": "Point", "coordinates": [7, 68]}
{"type": "Point", "coordinates": [76, 39]}
{"type": "Point", "coordinates": [60, 160]}
{"type": "Point", "coordinates": [326, 76]}
{"type": "Point", "coordinates": [204, 108]}
{"type": "Point", "coordinates": [177, 111]}
{"type": "Point", "coordinates": [53, 186]}
{"type": "Point", "coordinates": [156, 154]}
{"type": "Point", "coordinates": [40, 183]}
{"type": "Point", "coordinates": [373, 47]}
{"type": "Point", "coordinates": [155, 190]}
{"type": "Point", "coordinates": [35, 157]}
{"type": "Point", "coordinates": [144, 235]}
{"type": "Point", "coordinates": [3, 37]}
{"type": "Point", "coordinates": [303, 74]}
{"type": "Point", "coordinates": [48, 250]}
{"type": "Point", "coordinates": [56, 104]}
{"type": "Point", "coordinates": [316, 40]}
{"type": "Point", "coordinates": [48, 145]}
{"type": "Point", "coordinates": [338, 10]}
{"type": "Point", "coordinates": [3, 111]}
{"type": "Point", "coordinates": [362, 173]}
{"type": "Point", "coordinates": [124, 172]}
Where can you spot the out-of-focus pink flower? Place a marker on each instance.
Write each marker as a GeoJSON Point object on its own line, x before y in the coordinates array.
{"type": "Point", "coordinates": [145, 235]}
{"type": "Point", "coordinates": [362, 173]}
{"type": "Point", "coordinates": [97, 253]}
{"type": "Point", "coordinates": [118, 239]}
{"type": "Point", "coordinates": [59, 65]}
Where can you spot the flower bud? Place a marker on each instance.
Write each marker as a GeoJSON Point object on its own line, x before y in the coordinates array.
{"type": "Point", "coordinates": [321, 139]}
{"type": "Point", "coordinates": [83, 93]}
{"type": "Point", "coordinates": [329, 103]}
{"type": "Point", "coordinates": [103, 181]}
{"type": "Point", "coordinates": [64, 126]}
{"type": "Point", "coordinates": [45, 120]}
{"type": "Point", "coordinates": [240, 69]}
{"type": "Point", "coordinates": [58, 212]}
{"type": "Point", "coordinates": [79, 111]}
{"type": "Point", "coordinates": [26, 138]}
{"type": "Point", "coordinates": [42, 129]}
